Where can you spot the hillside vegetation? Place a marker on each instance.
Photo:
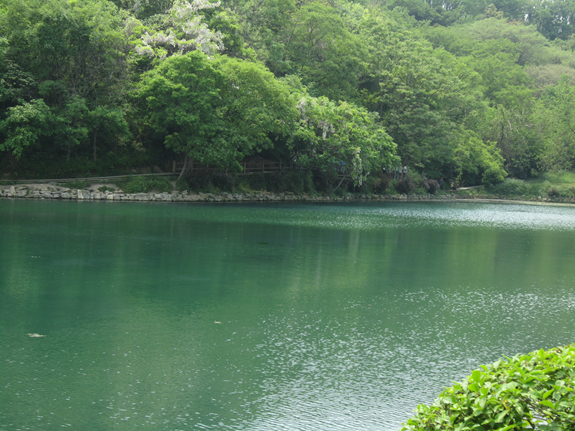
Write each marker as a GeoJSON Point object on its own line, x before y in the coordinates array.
{"type": "Point", "coordinates": [467, 90]}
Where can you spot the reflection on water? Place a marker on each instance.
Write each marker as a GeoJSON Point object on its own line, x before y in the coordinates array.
{"type": "Point", "coordinates": [267, 317]}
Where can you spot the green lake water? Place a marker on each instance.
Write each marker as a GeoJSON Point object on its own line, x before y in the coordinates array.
{"type": "Point", "coordinates": [267, 317]}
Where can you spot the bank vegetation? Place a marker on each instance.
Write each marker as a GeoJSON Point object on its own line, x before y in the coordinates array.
{"type": "Point", "coordinates": [474, 92]}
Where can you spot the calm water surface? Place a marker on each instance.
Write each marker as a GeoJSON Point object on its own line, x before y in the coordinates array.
{"type": "Point", "coordinates": [267, 317]}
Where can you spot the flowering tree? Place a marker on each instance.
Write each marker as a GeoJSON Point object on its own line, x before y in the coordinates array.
{"type": "Point", "coordinates": [340, 136]}
{"type": "Point", "coordinates": [186, 32]}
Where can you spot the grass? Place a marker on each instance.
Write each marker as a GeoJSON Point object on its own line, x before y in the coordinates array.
{"type": "Point", "coordinates": [556, 186]}
{"type": "Point", "coordinates": [560, 179]}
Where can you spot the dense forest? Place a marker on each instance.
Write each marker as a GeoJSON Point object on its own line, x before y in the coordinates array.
{"type": "Point", "coordinates": [464, 89]}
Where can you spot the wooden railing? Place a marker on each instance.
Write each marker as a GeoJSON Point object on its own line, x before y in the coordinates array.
{"type": "Point", "coordinates": [248, 168]}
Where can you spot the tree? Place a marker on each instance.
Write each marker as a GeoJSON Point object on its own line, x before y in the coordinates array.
{"type": "Point", "coordinates": [322, 52]}
{"type": "Point", "coordinates": [109, 123]}
{"type": "Point", "coordinates": [340, 137]}
{"type": "Point", "coordinates": [182, 29]}
{"type": "Point", "coordinates": [182, 100]}
{"type": "Point", "coordinates": [69, 55]}
{"type": "Point", "coordinates": [555, 123]}
{"type": "Point", "coordinates": [554, 19]}
{"type": "Point", "coordinates": [417, 92]}
{"type": "Point", "coordinates": [257, 106]}
{"type": "Point", "coordinates": [477, 161]}
{"type": "Point", "coordinates": [215, 111]}
{"type": "Point", "coordinates": [26, 126]}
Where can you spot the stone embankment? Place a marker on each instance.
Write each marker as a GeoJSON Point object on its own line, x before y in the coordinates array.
{"type": "Point", "coordinates": [48, 191]}
{"type": "Point", "coordinates": [55, 192]}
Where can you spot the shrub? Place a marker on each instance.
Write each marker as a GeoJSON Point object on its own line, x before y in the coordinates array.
{"type": "Point", "coordinates": [428, 186]}
{"type": "Point", "coordinates": [433, 186]}
{"type": "Point", "coordinates": [405, 186]}
{"type": "Point", "coordinates": [378, 183]}
{"type": "Point", "coordinates": [199, 181]}
{"type": "Point", "coordinates": [325, 181]}
{"type": "Point", "coordinates": [561, 192]}
{"type": "Point", "coordinates": [540, 189]}
{"type": "Point", "coordinates": [223, 181]}
{"type": "Point", "coordinates": [292, 181]}
{"type": "Point", "coordinates": [553, 192]}
{"type": "Point", "coordinates": [535, 391]}
{"type": "Point", "coordinates": [182, 184]}
{"type": "Point", "coordinates": [569, 192]}
{"type": "Point", "coordinates": [511, 186]}
{"type": "Point", "coordinates": [146, 185]}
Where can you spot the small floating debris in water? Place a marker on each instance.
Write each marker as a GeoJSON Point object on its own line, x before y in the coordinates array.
{"type": "Point", "coordinates": [262, 242]}
{"type": "Point", "coordinates": [34, 335]}
{"type": "Point", "coordinates": [219, 323]}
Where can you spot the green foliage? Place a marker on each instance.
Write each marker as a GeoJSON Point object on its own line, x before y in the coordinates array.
{"type": "Point", "coordinates": [478, 161]}
{"type": "Point", "coordinates": [323, 52]}
{"type": "Point", "coordinates": [560, 177]}
{"type": "Point", "coordinates": [296, 182]}
{"type": "Point", "coordinates": [26, 126]}
{"type": "Point", "coordinates": [514, 187]}
{"type": "Point", "coordinates": [182, 184]}
{"type": "Point", "coordinates": [535, 391]}
{"type": "Point", "coordinates": [82, 185]}
{"type": "Point", "coordinates": [181, 29]}
{"type": "Point", "coordinates": [405, 186]}
{"type": "Point", "coordinates": [64, 61]}
{"type": "Point", "coordinates": [511, 187]}
{"type": "Point", "coordinates": [379, 183]}
{"type": "Point", "coordinates": [457, 87]}
{"type": "Point", "coordinates": [552, 19]}
{"type": "Point", "coordinates": [215, 111]}
{"type": "Point", "coordinates": [556, 121]}
{"type": "Point", "coordinates": [145, 184]}
{"type": "Point", "coordinates": [418, 92]}
{"type": "Point", "coordinates": [340, 137]}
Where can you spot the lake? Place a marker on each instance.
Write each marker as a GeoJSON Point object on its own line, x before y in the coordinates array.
{"type": "Point", "coordinates": [268, 316]}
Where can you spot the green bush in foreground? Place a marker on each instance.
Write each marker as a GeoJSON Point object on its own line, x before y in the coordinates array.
{"type": "Point", "coordinates": [534, 391]}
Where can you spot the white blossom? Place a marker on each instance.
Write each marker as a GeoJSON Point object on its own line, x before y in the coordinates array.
{"type": "Point", "coordinates": [197, 35]}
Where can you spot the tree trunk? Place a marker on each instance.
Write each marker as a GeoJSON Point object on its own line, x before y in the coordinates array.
{"type": "Point", "coordinates": [68, 151]}
{"type": "Point", "coordinates": [340, 182]}
{"type": "Point", "coordinates": [94, 143]}
{"type": "Point", "coordinates": [185, 167]}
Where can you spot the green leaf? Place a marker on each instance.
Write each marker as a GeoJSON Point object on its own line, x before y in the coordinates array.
{"type": "Point", "coordinates": [500, 416]}
{"type": "Point", "coordinates": [476, 375]}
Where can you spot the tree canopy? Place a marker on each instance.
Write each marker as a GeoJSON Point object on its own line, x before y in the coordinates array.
{"type": "Point", "coordinates": [467, 89]}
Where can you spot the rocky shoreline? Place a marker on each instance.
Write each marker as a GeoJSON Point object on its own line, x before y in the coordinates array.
{"type": "Point", "coordinates": [46, 191]}
{"type": "Point", "coordinates": [63, 193]}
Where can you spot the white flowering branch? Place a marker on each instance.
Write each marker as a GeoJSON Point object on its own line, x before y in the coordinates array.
{"type": "Point", "coordinates": [196, 35]}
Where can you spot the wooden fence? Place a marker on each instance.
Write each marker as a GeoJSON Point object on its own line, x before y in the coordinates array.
{"type": "Point", "coordinates": [248, 168]}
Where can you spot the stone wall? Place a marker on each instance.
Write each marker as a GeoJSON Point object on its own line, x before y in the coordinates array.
{"type": "Point", "coordinates": [53, 192]}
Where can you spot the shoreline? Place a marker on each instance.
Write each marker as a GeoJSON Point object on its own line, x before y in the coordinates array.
{"type": "Point", "coordinates": [52, 192]}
